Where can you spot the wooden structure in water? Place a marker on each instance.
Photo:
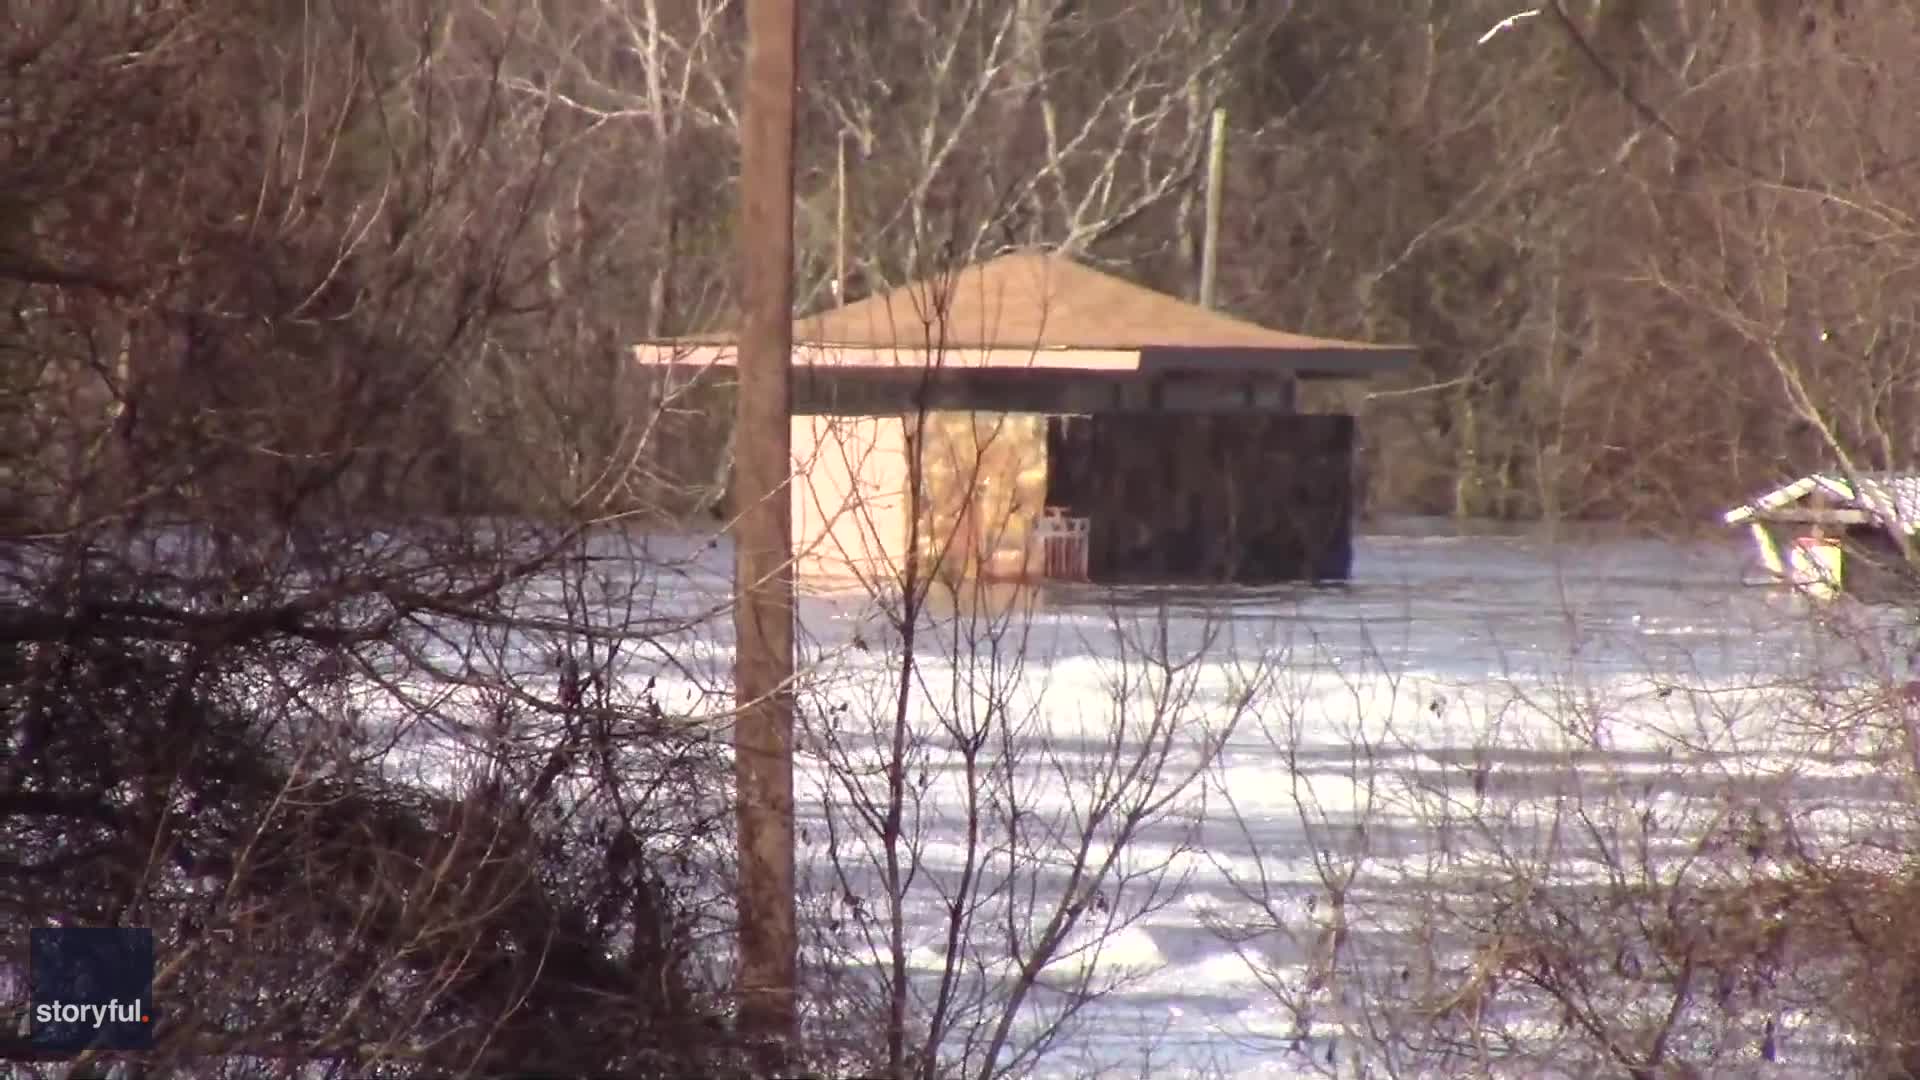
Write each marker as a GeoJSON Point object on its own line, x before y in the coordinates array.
{"type": "Point", "coordinates": [1030, 417]}
{"type": "Point", "coordinates": [1824, 534]}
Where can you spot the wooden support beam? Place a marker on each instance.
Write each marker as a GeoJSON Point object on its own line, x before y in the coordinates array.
{"type": "Point", "coordinates": [892, 393]}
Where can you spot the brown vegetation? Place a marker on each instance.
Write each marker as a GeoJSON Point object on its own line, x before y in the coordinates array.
{"type": "Point", "coordinates": [290, 293]}
{"type": "Point", "coordinates": [1654, 256]}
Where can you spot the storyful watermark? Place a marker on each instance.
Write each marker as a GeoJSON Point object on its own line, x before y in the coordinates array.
{"type": "Point", "coordinates": [90, 989]}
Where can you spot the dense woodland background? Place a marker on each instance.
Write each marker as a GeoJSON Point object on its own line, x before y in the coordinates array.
{"type": "Point", "coordinates": [1655, 254]}
{"type": "Point", "coordinates": [290, 271]}
{"type": "Point", "coordinates": [290, 289]}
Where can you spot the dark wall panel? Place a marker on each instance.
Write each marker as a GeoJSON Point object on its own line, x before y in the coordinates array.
{"type": "Point", "coordinates": [1209, 498]}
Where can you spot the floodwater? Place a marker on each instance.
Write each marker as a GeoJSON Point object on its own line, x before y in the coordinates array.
{"type": "Point", "coordinates": [1264, 810]}
{"type": "Point", "coordinates": [1281, 821]}
{"type": "Point", "coordinates": [1414, 742]}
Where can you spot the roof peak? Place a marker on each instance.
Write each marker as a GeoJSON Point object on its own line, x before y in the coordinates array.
{"type": "Point", "coordinates": [1035, 298]}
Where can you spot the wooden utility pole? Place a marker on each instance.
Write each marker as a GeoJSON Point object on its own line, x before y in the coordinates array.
{"type": "Point", "coordinates": [1216, 179]}
{"type": "Point", "coordinates": [763, 539]}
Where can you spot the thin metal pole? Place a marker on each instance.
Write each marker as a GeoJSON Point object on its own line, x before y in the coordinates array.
{"type": "Point", "coordinates": [840, 223]}
{"type": "Point", "coordinates": [1216, 179]}
{"type": "Point", "coordinates": [763, 540]}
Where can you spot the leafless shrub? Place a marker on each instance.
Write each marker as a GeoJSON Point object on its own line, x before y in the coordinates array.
{"type": "Point", "coordinates": [1001, 795]}
{"type": "Point", "coordinates": [1655, 872]}
{"type": "Point", "coordinates": [374, 768]}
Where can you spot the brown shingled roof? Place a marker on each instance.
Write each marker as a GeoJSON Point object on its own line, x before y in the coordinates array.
{"type": "Point", "coordinates": [1036, 301]}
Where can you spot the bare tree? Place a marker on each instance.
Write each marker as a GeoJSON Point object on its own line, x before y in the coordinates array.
{"type": "Point", "coordinates": [372, 766]}
{"type": "Point", "coordinates": [984, 124]}
{"type": "Point", "coordinates": [989, 829]}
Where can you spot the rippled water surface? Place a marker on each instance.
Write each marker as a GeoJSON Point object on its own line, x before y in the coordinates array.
{"type": "Point", "coordinates": [1407, 734]}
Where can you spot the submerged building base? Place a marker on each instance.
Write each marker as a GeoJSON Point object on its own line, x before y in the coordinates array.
{"type": "Point", "coordinates": [1205, 498]}
{"type": "Point", "coordinates": [1863, 562]}
{"type": "Point", "coordinates": [1122, 498]}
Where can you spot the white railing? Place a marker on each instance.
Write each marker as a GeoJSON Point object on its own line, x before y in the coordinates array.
{"type": "Point", "coordinates": [1063, 545]}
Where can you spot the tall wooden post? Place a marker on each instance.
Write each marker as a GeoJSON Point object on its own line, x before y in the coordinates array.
{"type": "Point", "coordinates": [1216, 179]}
{"type": "Point", "coordinates": [763, 540]}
